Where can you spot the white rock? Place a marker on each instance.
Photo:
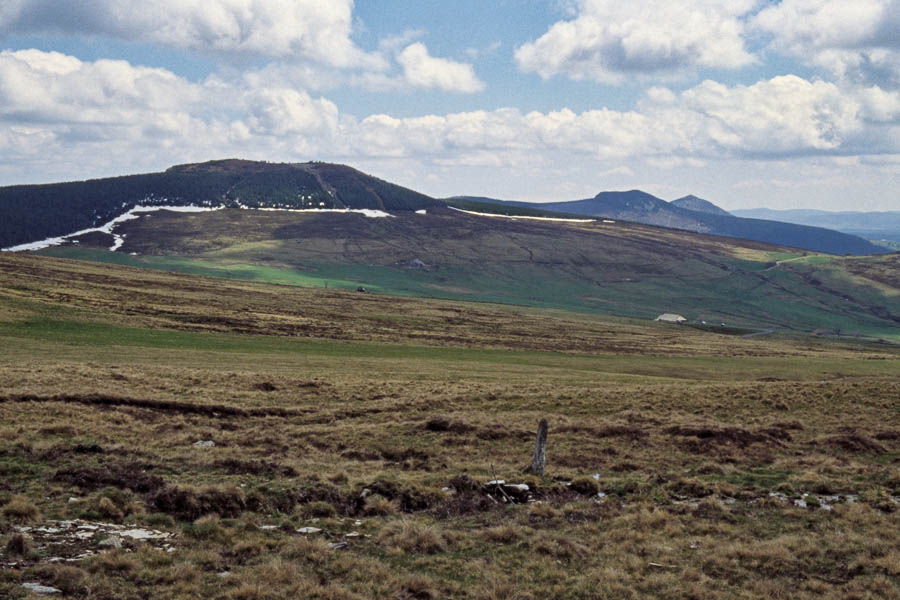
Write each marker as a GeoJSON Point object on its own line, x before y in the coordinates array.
{"type": "Point", "coordinates": [204, 444]}
{"type": "Point", "coordinates": [496, 482]}
{"type": "Point", "coordinates": [307, 530]}
{"type": "Point", "coordinates": [268, 527]}
{"type": "Point", "coordinates": [72, 499]}
{"type": "Point", "coordinates": [522, 487]}
{"type": "Point", "coordinates": [110, 542]}
{"type": "Point", "coordinates": [41, 589]}
{"type": "Point", "coordinates": [143, 534]}
{"type": "Point", "coordinates": [352, 534]}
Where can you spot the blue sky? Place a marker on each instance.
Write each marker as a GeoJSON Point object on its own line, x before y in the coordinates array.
{"type": "Point", "coordinates": [747, 103]}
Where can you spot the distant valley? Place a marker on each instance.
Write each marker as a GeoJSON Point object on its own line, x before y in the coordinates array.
{"type": "Point", "coordinates": [879, 226]}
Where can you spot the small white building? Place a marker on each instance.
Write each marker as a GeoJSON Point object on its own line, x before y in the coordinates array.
{"type": "Point", "coordinates": [670, 318]}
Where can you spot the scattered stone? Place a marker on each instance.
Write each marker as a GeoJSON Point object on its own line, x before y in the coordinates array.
{"type": "Point", "coordinates": [223, 574]}
{"type": "Point", "coordinates": [357, 523]}
{"type": "Point", "coordinates": [495, 482]}
{"type": "Point", "coordinates": [41, 589]}
{"type": "Point", "coordinates": [110, 542]}
{"type": "Point", "coordinates": [144, 534]}
{"type": "Point", "coordinates": [204, 444]}
{"type": "Point", "coordinates": [339, 545]}
{"type": "Point", "coordinates": [268, 527]}
{"type": "Point", "coordinates": [75, 540]}
{"type": "Point", "coordinates": [73, 500]}
{"type": "Point", "coordinates": [352, 534]}
{"type": "Point", "coordinates": [365, 493]}
{"type": "Point", "coordinates": [308, 530]}
{"type": "Point", "coordinates": [595, 476]}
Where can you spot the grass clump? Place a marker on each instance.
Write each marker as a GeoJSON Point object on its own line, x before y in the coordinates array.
{"type": "Point", "coordinates": [208, 527]}
{"type": "Point", "coordinates": [319, 509]}
{"type": "Point", "coordinates": [17, 545]}
{"type": "Point", "coordinates": [586, 486]}
{"type": "Point", "coordinates": [20, 510]}
{"type": "Point", "coordinates": [192, 503]}
{"type": "Point", "coordinates": [378, 506]}
{"type": "Point", "coordinates": [108, 509]}
{"type": "Point", "coordinates": [412, 537]}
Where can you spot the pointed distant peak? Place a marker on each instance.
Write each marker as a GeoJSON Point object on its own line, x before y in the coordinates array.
{"type": "Point", "coordinates": [691, 202]}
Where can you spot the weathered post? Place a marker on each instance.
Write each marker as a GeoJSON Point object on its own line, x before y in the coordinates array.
{"type": "Point", "coordinates": [539, 459]}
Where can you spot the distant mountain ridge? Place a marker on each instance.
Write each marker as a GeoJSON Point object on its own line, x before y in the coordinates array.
{"type": "Point", "coordinates": [641, 207]}
{"type": "Point", "coordinates": [36, 212]}
{"type": "Point", "coordinates": [33, 212]}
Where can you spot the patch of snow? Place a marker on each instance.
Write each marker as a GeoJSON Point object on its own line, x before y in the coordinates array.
{"type": "Point", "coordinates": [421, 211]}
{"type": "Point", "coordinates": [560, 220]}
{"type": "Point", "coordinates": [368, 212]}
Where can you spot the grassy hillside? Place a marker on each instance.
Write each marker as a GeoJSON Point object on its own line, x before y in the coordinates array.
{"type": "Point", "coordinates": [613, 268]}
{"type": "Point", "coordinates": [680, 463]}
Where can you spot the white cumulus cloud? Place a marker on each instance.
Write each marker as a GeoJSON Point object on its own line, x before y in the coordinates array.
{"type": "Point", "coordinates": [422, 70]}
{"type": "Point", "coordinates": [290, 29]}
{"type": "Point", "coordinates": [609, 41]}
{"type": "Point", "coordinates": [857, 40]}
{"type": "Point", "coordinates": [56, 110]}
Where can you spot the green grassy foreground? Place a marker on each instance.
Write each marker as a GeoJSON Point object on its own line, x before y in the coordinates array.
{"type": "Point", "coordinates": [729, 467]}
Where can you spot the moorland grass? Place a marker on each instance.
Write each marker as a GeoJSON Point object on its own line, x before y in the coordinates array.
{"type": "Point", "coordinates": [700, 443]}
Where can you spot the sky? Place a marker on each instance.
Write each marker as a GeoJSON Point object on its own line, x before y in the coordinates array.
{"type": "Point", "coordinates": [746, 103]}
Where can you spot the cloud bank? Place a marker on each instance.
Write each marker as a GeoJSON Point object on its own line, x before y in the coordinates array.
{"type": "Point", "coordinates": [73, 105]}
